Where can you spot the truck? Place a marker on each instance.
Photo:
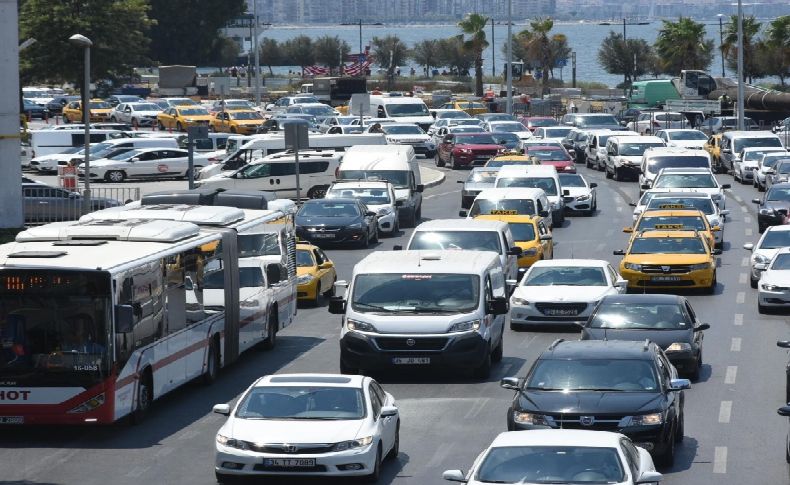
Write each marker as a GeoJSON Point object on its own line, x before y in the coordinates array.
{"type": "Point", "coordinates": [337, 91]}
{"type": "Point", "coordinates": [686, 94]}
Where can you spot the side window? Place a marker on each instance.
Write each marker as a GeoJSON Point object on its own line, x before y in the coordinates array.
{"type": "Point", "coordinates": [489, 289]}
{"type": "Point", "coordinates": [221, 142]}
{"type": "Point", "coordinates": [632, 456]}
{"type": "Point", "coordinates": [312, 167]}
{"type": "Point", "coordinates": [285, 168]}
{"type": "Point", "coordinates": [378, 391]}
{"type": "Point", "coordinates": [319, 257]}
{"type": "Point", "coordinates": [375, 402]}
{"type": "Point", "coordinates": [691, 312]}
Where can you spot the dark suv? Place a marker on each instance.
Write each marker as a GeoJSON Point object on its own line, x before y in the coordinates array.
{"type": "Point", "coordinates": [620, 386]}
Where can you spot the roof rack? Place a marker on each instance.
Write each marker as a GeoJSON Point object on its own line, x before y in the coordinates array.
{"type": "Point", "coordinates": [556, 343]}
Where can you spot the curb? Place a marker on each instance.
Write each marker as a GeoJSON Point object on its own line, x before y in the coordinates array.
{"type": "Point", "coordinates": [437, 176]}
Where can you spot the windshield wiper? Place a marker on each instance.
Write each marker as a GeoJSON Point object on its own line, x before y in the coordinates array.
{"type": "Point", "coordinates": [599, 389]}
{"type": "Point", "coordinates": [534, 388]}
{"type": "Point", "coordinates": [371, 306]}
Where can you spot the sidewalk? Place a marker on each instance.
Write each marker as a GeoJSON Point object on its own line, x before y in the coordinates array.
{"type": "Point", "coordinates": [431, 177]}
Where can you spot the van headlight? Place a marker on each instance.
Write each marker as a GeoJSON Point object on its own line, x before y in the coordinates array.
{"type": "Point", "coordinates": [357, 326]}
{"type": "Point", "coordinates": [468, 326]}
{"type": "Point", "coordinates": [633, 266]}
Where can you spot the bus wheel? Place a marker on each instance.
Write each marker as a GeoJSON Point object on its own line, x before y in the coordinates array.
{"type": "Point", "coordinates": [271, 333]}
{"type": "Point", "coordinates": [212, 363]}
{"type": "Point", "coordinates": [145, 395]}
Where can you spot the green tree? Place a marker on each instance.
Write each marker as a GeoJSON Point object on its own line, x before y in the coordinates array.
{"type": "Point", "coordinates": [225, 51]}
{"type": "Point", "coordinates": [539, 50]}
{"type": "Point", "coordinates": [271, 53]}
{"type": "Point", "coordinates": [186, 31]}
{"type": "Point", "coordinates": [682, 45]}
{"type": "Point", "coordinates": [330, 51]}
{"type": "Point", "coordinates": [427, 53]}
{"type": "Point", "coordinates": [453, 55]}
{"type": "Point", "coordinates": [299, 51]}
{"type": "Point", "coordinates": [473, 27]}
{"type": "Point", "coordinates": [729, 48]}
{"type": "Point", "coordinates": [776, 48]}
{"type": "Point", "coordinates": [632, 57]}
{"type": "Point", "coordinates": [117, 29]}
{"type": "Point", "coordinates": [389, 52]}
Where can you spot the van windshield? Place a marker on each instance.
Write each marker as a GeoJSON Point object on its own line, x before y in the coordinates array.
{"type": "Point", "coordinates": [548, 184]}
{"type": "Point", "coordinates": [636, 149]}
{"type": "Point", "coordinates": [251, 245]}
{"type": "Point", "coordinates": [398, 178]}
{"type": "Point", "coordinates": [769, 141]}
{"type": "Point", "coordinates": [419, 292]}
{"type": "Point", "coordinates": [655, 164]}
{"type": "Point", "coordinates": [524, 207]}
{"type": "Point", "coordinates": [468, 240]}
{"type": "Point", "coordinates": [407, 109]}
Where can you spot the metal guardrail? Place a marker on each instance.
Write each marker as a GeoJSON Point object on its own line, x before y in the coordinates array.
{"type": "Point", "coordinates": [43, 204]}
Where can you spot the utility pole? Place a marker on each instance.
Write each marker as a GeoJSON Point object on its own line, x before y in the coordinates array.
{"type": "Point", "coordinates": [573, 68]}
{"type": "Point", "coordinates": [509, 57]}
{"type": "Point", "coordinates": [493, 50]}
{"type": "Point", "coordinates": [360, 39]}
{"type": "Point", "coordinates": [721, 43]}
{"type": "Point", "coordinates": [740, 64]}
{"type": "Point", "coordinates": [11, 214]}
{"type": "Point", "coordinates": [257, 56]}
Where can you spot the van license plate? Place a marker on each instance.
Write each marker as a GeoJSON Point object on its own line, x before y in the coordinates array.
{"type": "Point", "coordinates": [323, 235]}
{"type": "Point", "coordinates": [289, 462]}
{"type": "Point", "coordinates": [666, 278]}
{"type": "Point", "coordinates": [12, 420]}
{"type": "Point", "coordinates": [411, 360]}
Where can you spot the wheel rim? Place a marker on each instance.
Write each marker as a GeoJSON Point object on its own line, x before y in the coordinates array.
{"type": "Point", "coordinates": [144, 399]}
{"type": "Point", "coordinates": [116, 176]}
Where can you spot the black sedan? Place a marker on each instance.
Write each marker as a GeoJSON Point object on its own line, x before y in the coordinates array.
{"type": "Point", "coordinates": [322, 221]}
{"type": "Point", "coordinates": [667, 320]}
{"type": "Point", "coordinates": [33, 110]}
{"type": "Point", "coordinates": [773, 207]}
{"type": "Point", "coordinates": [612, 385]}
{"type": "Point", "coordinates": [58, 102]}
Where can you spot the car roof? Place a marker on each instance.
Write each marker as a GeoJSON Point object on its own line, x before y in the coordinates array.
{"type": "Point", "coordinates": [783, 227]}
{"type": "Point", "coordinates": [461, 225]}
{"type": "Point", "coordinates": [638, 138]}
{"type": "Point", "coordinates": [511, 193]}
{"type": "Point", "coordinates": [660, 234]}
{"type": "Point", "coordinates": [330, 380]}
{"type": "Point", "coordinates": [680, 193]}
{"type": "Point", "coordinates": [558, 437]}
{"type": "Point", "coordinates": [783, 185]}
{"type": "Point", "coordinates": [686, 170]}
{"type": "Point", "coordinates": [333, 200]}
{"type": "Point", "coordinates": [582, 263]}
{"type": "Point", "coordinates": [672, 213]}
{"type": "Point", "coordinates": [422, 261]}
{"type": "Point", "coordinates": [510, 218]}
{"type": "Point", "coordinates": [598, 349]}
{"type": "Point", "coordinates": [360, 184]}
{"type": "Point", "coordinates": [639, 298]}
{"type": "Point", "coordinates": [750, 134]}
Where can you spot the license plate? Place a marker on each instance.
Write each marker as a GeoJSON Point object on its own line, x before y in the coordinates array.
{"type": "Point", "coordinates": [12, 420]}
{"type": "Point", "coordinates": [561, 312]}
{"type": "Point", "coordinates": [665, 278]}
{"type": "Point", "coordinates": [323, 235]}
{"type": "Point", "coordinates": [411, 360]}
{"type": "Point", "coordinates": [289, 462]}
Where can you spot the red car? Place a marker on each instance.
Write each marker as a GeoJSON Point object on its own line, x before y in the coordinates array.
{"type": "Point", "coordinates": [464, 149]}
{"type": "Point", "coordinates": [552, 155]}
{"type": "Point", "coordinates": [532, 122]}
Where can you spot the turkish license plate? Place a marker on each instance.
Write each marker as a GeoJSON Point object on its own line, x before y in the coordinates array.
{"type": "Point", "coordinates": [411, 360]}
{"type": "Point", "coordinates": [12, 420]}
{"type": "Point", "coordinates": [561, 312]}
{"type": "Point", "coordinates": [289, 462]}
{"type": "Point", "coordinates": [665, 278]}
{"type": "Point", "coordinates": [323, 235]}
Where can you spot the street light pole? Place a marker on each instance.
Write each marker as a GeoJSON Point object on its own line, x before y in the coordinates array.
{"type": "Point", "coordinates": [740, 64]}
{"type": "Point", "coordinates": [493, 50]}
{"type": "Point", "coordinates": [509, 45]}
{"type": "Point", "coordinates": [81, 41]}
{"type": "Point", "coordinates": [257, 57]}
{"type": "Point", "coordinates": [721, 42]}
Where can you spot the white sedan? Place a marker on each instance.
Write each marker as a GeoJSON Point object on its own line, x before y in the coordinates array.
{"type": "Point", "coordinates": [581, 195]}
{"type": "Point", "coordinates": [773, 289]}
{"type": "Point", "coordinates": [144, 163]}
{"type": "Point", "coordinates": [562, 291]}
{"type": "Point", "coordinates": [773, 239]}
{"type": "Point", "coordinates": [308, 424]}
{"type": "Point", "coordinates": [560, 456]}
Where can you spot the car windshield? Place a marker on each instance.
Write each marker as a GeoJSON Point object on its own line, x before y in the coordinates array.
{"type": "Point", "coordinates": [304, 258]}
{"type": "Point", "coordinates": [328, 209]}
{"type": "Point", "coordinates": [551, 464]}
{"type": "Point", "coordinates": [509, 140]}
{"type": "Point", "coordinates": [252, 245]}
{"type": "Point", "coordinates": [235, 103]}
{"type": "Point", "coordinates": [250, 277]}
{"type": "Point", "coordinates": [524, 207]}
{"type": "Point", "coordinates": [482, 176]}
{"type": "Point", "coordinates": [304, 100]}
{"type": "Point", "coordinates": [624, 375]}
{"type": "Point", "coordinates": [145, 107]}
{"type": "Point", "coordinates": [548, 154]}
{"type": "Point", "coordinates": [775, 239]}
{"type": "Point", "coordinates": [368, 196]}
{"type": "Point", "coordinates": [571, 180]}
{"type": "Point", "coordinates": [508, 127]}
{"type": "Point", "coordinates": [469, 240]}
{"type": "Point", "coordinates": [565, 276]}
{"type": "Point", "coordinates": [192, 112]}
{"type": "Point", "coordinates": [655, 164]}
{"type": "Point", "coordinates": [398, 178]}
{"type": "Point", "coordinates": [402, 130]}
{"type": "Point", "coordinates": [778, 193]}
{"type": "Point", "coordinates": [465, 129]}
{"type": "Point", "coordinates": [678, 222]}
{"type": "Point", "coordinates": [453, 115]}
{"type": "Point", "coordinates": [687, 135]}
{"type": "Point", "coordinates": [494, 163]}
{"type": "Point", "coordinates": [667, 245]}
{"type": "Point", "coordinates": [755, 155]}
{"type": "Point", "coordinates": [783, 167]}
{"type": "Point", "coordinates": [635, 315]}
{"type": "Point", "coordinates": [407, 109]}
{"type": "Point", "coordinates": [100, 105]}
{"type": "Point", "coordinates": [542, 122]}
{"type": "Point", "coordinates": [636, 149]}
{"type": "Point", "coordinates": [475, 139]}
{"type": "Point", "coordinates": [522, 231]}
{"type": "Point", "coordinates": [769, 141]}
{"type": "Point", "coordinates": [302, 402]}
{"type": "Point", "coordinates": [703, 204]}
{"type": "Point", "coordinates": [318, 110]}
{"type": "Point", "coordinates": [686, 180]}
{"type": "Point", "coordinates": [771, 159]}
{"type": "Point", "coordinates": [596, 120]}
{"type": "Point", "coordinates": [781, 262]}
{"type": "Point", "coordinates": [245, 115]}
{"type": "Point", "coordinates": [464, 121]}
{"type": "Point", "coordinates": [419, 292]}
{"type": "Point", "coordinates": [556, 132]}
{"type": "Point", "coordinates": [548, 184]}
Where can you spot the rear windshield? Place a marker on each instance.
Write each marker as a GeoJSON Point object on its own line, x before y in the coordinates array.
{"type": "Point", "coordinates": [703, 204]}
{"type": "Point", "coordinates": [469, 240]}
{"type": "Point", "coordinates": [548, 184]}
{"type": "Point", "coordinates": [655, 164]}
{"type": "Point", "coordinates": [524, 207]}
{"type": "Point", "coordinates": [636, 149]}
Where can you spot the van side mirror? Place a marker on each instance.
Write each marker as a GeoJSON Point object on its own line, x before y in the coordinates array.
{"type": "Point", "coordinates": [189, 285]}
{"type": "Point", "coordinates": [272, 274]}
{"type": "Point", "coordinates": [124, 318]}
{"type": "Point", "coordinates": [463, 213]}
{"type": "Point", "coordinates": [726, 186]}
{"type": "Point", "coordinates": [397, 247]}
{"type": "Point", "coordinates": [515, 251]}
{"type": "Point", "coordinates": [420, 188]}
{"type": "Point", "coordinates": [497, 306]}
{"type": "Point", "coordinates": [543, 213]}
{"type": "Point", "coordinates": [593, 185]}
{"type": "Point", "coordinates": [566, 192]}
{"type": "Point", "coordinates": [398, 203]}
{"type": "Point", "coordinates": [337, 305]}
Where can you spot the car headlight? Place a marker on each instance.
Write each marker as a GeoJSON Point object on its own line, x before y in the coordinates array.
{"type": "Point", "coordinates": [249, 303]}
{"type": "Point", "coordinates": [356, 225]}
{"type": "Point", "coordinates": [464, 150]}
{"type": "Point", "coordinates": [679, 347]}
{"type": "Point", "coordinates": [530, 418]}
{"type": "Point", "coordinates": [647, 419]}
{"type": "Point", "coordinates": [529, 252]}
{"type": "Point", "coordinates": [633, 266]}
{"type": "Point", "coordinates": [468, 326]}
{"type": "Point", "coordinates": [766, 212]}
{"type": "Point", "coordinates": [769, 287]}
{"type": "Point", "coordinates": [583, 197]}
{"type": "Point", "coordinates": [761, 259]}
{"type": "Point", "coordinates": [519, 301]}
{"type": "Point", "coordinates": [304, 279]}
{"type": "Point", "coordinates": [357, 326]}
{"type": "Point", "coordinates": [698, 267]}
{"type": "Point", "coordinates": [569, 168]}
{"type": "Point", "coordinates": [232, 443]}
{"type": "Point", "coordinates": [351, 444]}
{"type": "Point", "coordinates": [385, 211]}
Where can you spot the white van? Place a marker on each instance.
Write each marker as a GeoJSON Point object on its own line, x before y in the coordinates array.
{"type": "Point", "coordinates": [404, 109]}
{"type": "Point", "coordinates": [396, 164]}
{"type": "Point", "coordinates": [656, 159]}
{"type": "Point", "coordinates": [624, 154]}
{"type": "Point", "coordinates": [595, 152]}
{"type": "Point", "coordinates": [423, 309]}
{"type": "Point", "coordinates": [733, 143]}
{"type": "Point", "coordinates": [214, 142]}
{"type": "Point", "coordinates": [105, 149]}
{"type": "Point", "coordinates": [277, 173]}
{"type": "Point", "coordinates": [542, 177]}
{"type": "Point", "coordinates": [48, 142]}
{"type": "Point", "coordinates": [469, 234]}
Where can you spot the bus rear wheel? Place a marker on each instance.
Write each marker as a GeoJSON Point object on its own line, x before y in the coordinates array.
{"type": "Point", "coordinates": [145, 396]}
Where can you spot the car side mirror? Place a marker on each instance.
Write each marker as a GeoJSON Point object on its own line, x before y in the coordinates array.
{"type": "Point", "coordinates": [515, 251]}
{"type": "Point", "coordinates": [621, 283]}
{"type": "Point", "coordinates": [463, 213]}
{"type": "Point", "coordinates": [649, 478]}
{"type": "Point", "coordinates": [749, 246]}
{"type": "Point", "coordinates": [566, 192]}
{"type": "Point", "coordinates": [628, 229]}
{"type": "Point", "coordinates": [388, 411]}
{"type": "Point", "coordinates": [460, 181]}
{"type": "Point", "coordinates": [593, 185]}
{"type": "Point", "coordinates": [189, 285]}
{"type": "Point", "coordinates": [223, 409]}
{"type": "Point", "coordinates": [715, 229]}
{"type": "Point", "coordinates": [724, 212]}
{"type": "Point", "coordinates": [397, 247]}
{"type": "Point", "coordinates": [785, 344]}
{"type": "Point", "coordinates": [618, 252]}
{"type": "Point", "coordinates": [645, 186]}
{"type": "Point", "coordinates": [784, 411]}
{"type": "Point", "coordinates": [454, 476]}
{"type": "Point", "coordinates": [546, 237]}
{"type": "Point", "coordinates": [510, 383]}
{"type": "Point", "coordinates": [632, 204]}
{"type": "Point", "coordinates": [701, 327]}
{"type": "Point", "coordinates": [370, 214]}
{"type": "Point", "coordinates": [124, 318]}
{"type": "Point", "coordinates": [420, 188]}
{"type": "Point", "coordinates": [337, 305]}
{"type": "Point", "coordinates": [679, 384]}
{"type": "Point", "coordinates": [326, 265]}
{"type": "Point", "coordinates": [726, 186]}
{"type": "Point", "coordinates": [497, 306]}
{"type": "Point", "coordinates": [757, 201]}
{"type": "Point", "coordinates": [135, 159]}
{"type": "Point", "coordinates": [543, 213]}
{"type": "Point", "coordinates": [716, 252]}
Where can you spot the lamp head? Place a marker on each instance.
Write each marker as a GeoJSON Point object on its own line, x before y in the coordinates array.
{"type": "Point", "coordinates": [80, 40]}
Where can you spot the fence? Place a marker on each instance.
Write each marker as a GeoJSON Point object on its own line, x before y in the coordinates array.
{"type": "Point", "coordinates": [43, 204]}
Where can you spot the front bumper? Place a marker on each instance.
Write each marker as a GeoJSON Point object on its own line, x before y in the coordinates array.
{"type": "Point", "coordinates": [342, 235]}
{"type": "Point", "coordinates": [693, 279]}
{"type": "Point", "coordinates": [772, 219]}
{"type": "Point", "coordinates": [774, 299]}
{"type": "Point", "coordinates": [307, 291]}
{"type": "Point", "coordinates": [533, 315]}
{"type": "Point", "coordinates": [628, 170]}
{"type": "Point", "coordinates": [387, 222]}
{"type": "Point", "coordinates": [574, 204]}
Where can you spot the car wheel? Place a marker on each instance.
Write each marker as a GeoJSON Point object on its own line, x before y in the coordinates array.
{"type": "Point", "coordinates": [364, 243]}
{"type": "Point", "coordinates": [712, 288]}
{"type": "Point", "coordinates": [498, 353]}
{"type": "Point", "coordinates": [233, 129]}
{"type": "Point", "coordinates": [760, 187]}
{"type": "Point", "coordinates": [483, 371]}
{"type": "Point", "coordinates": [346, 369]}
{"type": "Point", "coordinates": [681, 431]}
{"type": "Point", "coordinates": [761, 228]}
{"type": "Point", "coordinates": [271, 331]}
{"type": "Point", "coordinates": [762, 309]}
{"type": "Point", "coordinates": [438, 160]}
{"type": "Point", "coordinates": [606, 172]}
{"type": "Point", "coordinates": [316, 301]}
{"type": "Point", "coordinates": [616, 174]}
{"type": "Point", "coordinates": [331, 291]}
{"type": "Point", "coordinates": [317, 192]}
{"type": "Point", "coordinates": [160, 126]}
{"type": "Point", "coordinates": [753, 283]}
{"type": "Point", "coordinates": [694, 374]}
{"type": "Point", "coordinates": [395, 228]}
{"type": "Point", "coordinates": [374, 476]}
{"type": "Point", "coordinates": [453, 164]}
{"type": "Point", "coordinates": [115, 176]}
{"type": "Point", "coordinates": [179, 127]}
{"type": "Point", "coordinates": [667, 458]}
{"type": "Point", "coordinates": [396, 445]}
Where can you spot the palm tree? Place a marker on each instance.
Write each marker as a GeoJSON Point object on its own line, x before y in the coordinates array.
{"type": "Point", "coordinates": [729, 48]}
{"type": "Point", "coordinates": [541, 50]}
{"type": "Point", "coordinates": [682, 45]}
{"type": "Point", "coordinates": [777, 48]}
{"type": "Point", "coordinates": [474, 25]}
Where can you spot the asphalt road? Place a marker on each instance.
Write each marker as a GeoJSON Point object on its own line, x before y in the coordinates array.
{"type": "Point", "coordinates": [733, 434]}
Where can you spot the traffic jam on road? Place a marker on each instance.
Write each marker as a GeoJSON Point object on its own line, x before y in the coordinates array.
{"type": "Point", "coordinates": [487, 299]}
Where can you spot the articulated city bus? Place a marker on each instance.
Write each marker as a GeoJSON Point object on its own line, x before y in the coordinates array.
{"type": "Point", "coordinates": [98, 319]}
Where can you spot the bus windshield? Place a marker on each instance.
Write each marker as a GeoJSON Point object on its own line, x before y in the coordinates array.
{"type": "Point", "coordinates": [54, 326]}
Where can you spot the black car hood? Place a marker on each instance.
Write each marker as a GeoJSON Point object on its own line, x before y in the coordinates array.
{"type": "Point", "coordinates": [664, 338]}
{"type": "Point", "coordinates": [327, 221]}
{"type": "Point", "coordinates": [777, 204]}
{"type": "Point", "coordinates": [591, 402]}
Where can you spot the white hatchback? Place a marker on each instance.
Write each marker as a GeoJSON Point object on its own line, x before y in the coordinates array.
{"type": "Point", "coordinates": [773, 289]}
{"type": "Point", "coordinates": [307, 424]}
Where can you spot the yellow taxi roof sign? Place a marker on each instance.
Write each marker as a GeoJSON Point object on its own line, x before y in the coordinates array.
{"type": "Point", "coordinates": [503, 212]}
{"type": "Point", "coordinates": [671, 206]}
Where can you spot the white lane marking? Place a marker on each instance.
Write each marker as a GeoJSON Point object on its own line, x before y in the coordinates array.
{"type": "Point", "coordinates": [442, 453]}
{"type": "Point", "coordinates": [137, 471]}
{"type": "Point", "coordinates": [477, 407]}
{"type": "Point", "coordinates": [720, 460]}
{"type": "Point", "coordinates": [527, 341]}
{"type": "Point", "coordinates": [731, 374]}
{"type": "Point", "coordinates": [738, 198]}
{"type": "Point", "coordinates": [740, 297]}
{"type": "Point", "coordinates": [725, 410]}
{"type": "Point", "coordinates": [619, 209]}
{"type": "Point", "coordinates": [744, 209]}
{"type": "Point", "coordinates": [738, 319]}
{"type": "Point", "coordinates": [164, 451]}
{"type": "Point", "coordinates": [736, 344]}
{"type": "Point", "coordinates": [600, 247]}
{"type": "Point", "coordinates": [748, 231]}
{"type": "Point", "coordinates": [745, 261]}
{"type": "Point", "coordinates": [747, 219]}
{"type": "Point", "coordinates": [742, 278]}
{"type": "Point", "coordinates": [440, 195]}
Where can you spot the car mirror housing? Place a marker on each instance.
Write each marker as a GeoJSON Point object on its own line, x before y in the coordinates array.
{"type": "Point", "coordinates": [618, 252]}
{"type": "Point", "coordinates": [679, 384]}
{"type": "Point", "coordinates": [510, 383]}
{"type": "Point", "coordinates": [701, 327]}
{"type": "Point", "coordinates": [454, 476]}
{"type": "Point", "coordinates": [337, 305]}
{"type": "Point", "coordinates": [388, 411]}
{"type": "Point", "coordinates": [223, 409]}
{"type": "Point", "coordinates": [649, 478]}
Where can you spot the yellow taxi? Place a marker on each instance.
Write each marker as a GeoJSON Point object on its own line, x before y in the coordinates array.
{"type": "Point", "coordinates": [669, 259]}
{"type": "Point", "coordinates": [470, 107]}
{"type": "Point", "coordinates": [99, 111]}
{"type": "Point", "coordinates": [530, 233]}
{"type": "Point", "coordinates": [675, 218]}
{"type": "Point", "coordinates": [245, 122]}
{"type": "Point", "coordinates": [181, 117]}
{"type": "Point", "coordinates": [315, 273]}
{"type": "Point", "coordinates": [713, 146]}
{"type": "Point", "coordinates": [511, 158]}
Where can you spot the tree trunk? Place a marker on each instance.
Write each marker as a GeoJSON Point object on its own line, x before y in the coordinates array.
{"type": "Point", "coordinates": [479, 76]}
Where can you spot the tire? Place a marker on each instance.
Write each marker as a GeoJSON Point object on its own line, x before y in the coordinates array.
{"type": "Point", "coordinates": [667, 458]}
{"type": "Point", "coordinates": [115, 176]}
{"type": "Point", "coordinates": [160, 126]}
{"type": "Point", "coordinates": [453, 165]}
{"type": "Point", "coordinates": [347, 370]}
{"type": "Point", "coordinates": [233, 129]}
{"type": "Point", "coordinates": [375, 238]}
{"type": "Point", "coordinates": [616, 174]}
{"type": "Point", "coordinates": [760, 188]}
{"type": "Point", "coordinates": [317, 192]}
{"type": "Point", "coordinates": [762, 310]}
{"type": "Point", "coordinates": [144, 397]}
{"type": "Point", "coordinates": [761, 228]}
{"type": "Point", "coordinates": [374, 476]}
{"type": "Point", "coordinates": [606, 172]}
{"type": "Point", "coordinates": [681, 431]}
{"type": "Point", "coordinates": [498, 353]}
{"type": "Point", "coordinates": [317, 300]}
{"type": "Point", "coordinates": [438, 160]}
{"type": "Point", "coordinates": [393, 454]}
{"type": "Point", "coordinates": [411, 221]}
{"type": "Point", "coordinates": [331, 291]}
{"type": "Point", "coordinates": [212, 364]}
{"type": "Point", "coordinates": [712, 288]}
{"type": "Point", "coordinates": [179, 127]}
{"type": "Point", "coordinates": [271, 332]}
{"type": "Point", "coordinates": [365, 242]}
{"type": "Point", "coordinates": [395, 228]}
{"type": "Point", "coordinates": [753, 283]}
{"type": "Point", "coordinates": [483, 371]}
